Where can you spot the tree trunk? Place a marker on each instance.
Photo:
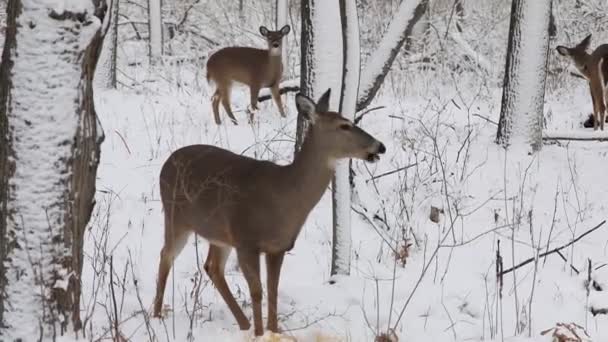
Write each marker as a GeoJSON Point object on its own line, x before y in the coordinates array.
{"type": "Point", "coordinates": [306, 72]}
{"type": "Point", "coordinates": [341, 190]}
{"type": "Point", "coordinates": [521, 112]}
{"type": "Point", "coordinates": [281, 14]}
{"type": "Point", "coordinates": [321, 65]}
{"type": "Point", "coordinates": [105, 75]}
{"type": "Point", "coordinates": [155, 30]}
{"type": "Point", "coordinates": [48, 161]}
{"type": "Point", "coordinates": [379, 64]}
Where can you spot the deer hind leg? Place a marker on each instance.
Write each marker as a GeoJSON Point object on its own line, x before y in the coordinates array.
{"type": "Point", "coordinates": [225, 96]}
{"type": "Point", "coordinates": [276, 96]}
{"type": "Point", "coordinates": [174, 243]}
{"type": "Point", "coordinates": [250, 265]}
{"type": "Point", "coordinates": [273, 272]}
{"type": "Point", "coordinates": [215, 266]}
{"type": "Point", "coordinates": [215, 103]}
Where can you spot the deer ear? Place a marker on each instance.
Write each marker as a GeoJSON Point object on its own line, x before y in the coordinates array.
{"type": "Point", "coordinates": [585, 43]}
{"type": "Point", "coordinates": [306, 107]}
{"type": "Point", "coordinates": [285, 30]}
{"type": "Point", "coordinates": [562, 50]}
{"type": "Point", "coordinates": [263, 31]}
{"type": "Point", "coordinates": [323, 103]}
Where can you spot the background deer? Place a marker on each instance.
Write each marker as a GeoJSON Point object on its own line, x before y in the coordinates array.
{"type": "Point", "coordinates": [253, 206]}
{"type": "Point", "coordinates": [256, 68]}
{"type": "Point", "coordinates": [594, 67]}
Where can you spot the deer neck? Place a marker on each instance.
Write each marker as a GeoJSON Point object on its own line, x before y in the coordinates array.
{"type": "Point", "coordinates": [310, 172]}
{"type": "Point", "coordinates": [275, 65]}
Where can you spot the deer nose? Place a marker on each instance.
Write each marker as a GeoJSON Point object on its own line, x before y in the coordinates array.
{"type": "Point", "coordinates": [381, 148]}
{"type": "Point", "coordinates": [276, 45]}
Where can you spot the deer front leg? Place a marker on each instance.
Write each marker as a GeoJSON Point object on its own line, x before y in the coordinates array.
{"type": "Point", "coordinates": [273, 272]}
{"type": "Point", "coordinates": [276, 96]}
{"type": "Point", "coordinates": [254, 91]}
{"type": "Point", "coordinates": [250, 265]}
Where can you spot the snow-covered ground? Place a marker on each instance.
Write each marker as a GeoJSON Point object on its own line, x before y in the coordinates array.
{"type": "Point", "coordinates": [487, 195]}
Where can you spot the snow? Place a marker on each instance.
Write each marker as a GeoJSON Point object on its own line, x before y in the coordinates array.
{"type": "Point", "coordinates": [484, 190]}
{"type": "Point", "coordinates": [46, 77]}
{"type": "Point", "coordinates": [457, 294]}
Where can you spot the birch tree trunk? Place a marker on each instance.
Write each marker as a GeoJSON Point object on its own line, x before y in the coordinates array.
{"type": "Point", "coordinates": [521, 112]}
{"type": "Point", "coordinates": [341, 191]}
{"type": "Point", "coordinates": [48, 163]}
{"type": "Point", "coordinates": [155, 29]}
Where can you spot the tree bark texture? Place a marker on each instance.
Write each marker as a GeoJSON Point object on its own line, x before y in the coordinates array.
{"type": "Point", "coordinates": [341, 190]}
{"type": "Point", "coordinates": [306, 71]}
{"type": "Point", "coordinates": [48, 162]}
{"type": "Point", "coordinates": [521, 112]}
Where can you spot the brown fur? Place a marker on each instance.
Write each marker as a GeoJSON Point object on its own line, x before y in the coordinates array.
{"type": "Point", "coordinates": [251, 205]}
{"type": "Point", "coordinates": [256, 68]}
{"type": "Point", "coordinates": [594, 67]}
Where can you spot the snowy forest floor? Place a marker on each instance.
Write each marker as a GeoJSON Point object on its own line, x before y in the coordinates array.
{"type": "Point", "coordinates": [530, 203]}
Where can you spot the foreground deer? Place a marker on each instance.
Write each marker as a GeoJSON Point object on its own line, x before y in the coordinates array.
{"type": "Point", "coordinates": [594, 67]}
{"type": "Point", "coordinates": [253, 206]}
{"type": "Point", "coordinates": [255, 68]}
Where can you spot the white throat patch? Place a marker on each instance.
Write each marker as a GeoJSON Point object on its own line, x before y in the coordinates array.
{"type": "Point", "coordinates": [275, 51]}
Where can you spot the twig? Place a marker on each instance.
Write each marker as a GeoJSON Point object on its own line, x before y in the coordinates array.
{"type": "Point", "coordinates": [284, 90]}
{"type": "Point", "coordinates": [555, 250]}
{"type": "Point", "coordinates": [359, 117]}
{"type": "Point", "coordinates": [487, 119]}
{"type": "Point", "coordinates": [391, 172]}
{"type": "Point", "coordinates": [115, 307]}
{"type": "Point", "coordinates": [123, 141]}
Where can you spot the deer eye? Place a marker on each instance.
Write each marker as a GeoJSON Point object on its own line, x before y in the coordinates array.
{"type": "Point", "coordinates": [345, 127]}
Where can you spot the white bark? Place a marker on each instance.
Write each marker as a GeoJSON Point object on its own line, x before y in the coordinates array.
{"type": "Point", "coordinates": [282, 8]}
{"type": "Point", "coordinates": [155, 26]}
{"type": "Point", "coordinates": [327, 70]}
{"type": "Point", "coordinates": [524, 85]}
{"type": "Point", "coordinates": [43, 120]}
{"type": "Point", "coordinates": [341, 195]}
{"type": "Point", "coordinates": [381, 60]}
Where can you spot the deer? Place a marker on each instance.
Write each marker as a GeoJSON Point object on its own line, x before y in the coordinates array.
{"type": "Point", "coordinates": [253, 206]}
{"type": "Point", "coordinates": [594, 68]}
{"type": "Point", "coordinates": [255, 68]}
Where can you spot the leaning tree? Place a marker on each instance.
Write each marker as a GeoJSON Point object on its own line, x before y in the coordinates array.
{"type": "Point", "coordinates": [49, 152]}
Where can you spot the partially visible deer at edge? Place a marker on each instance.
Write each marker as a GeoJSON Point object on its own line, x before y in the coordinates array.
{"type": "Point", "coordinates": [253, 206]}
{"type": "Point", "coordinates": [594, 67]}
{"type": "Point", "coordinates": [256, 68]}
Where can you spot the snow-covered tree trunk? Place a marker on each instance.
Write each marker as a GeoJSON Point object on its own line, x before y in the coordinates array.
{"type": "Point", "coordinates": [521, 112]}
{"type": "Point", "coordinates": [341, 191]}
{"type": "Point", "coordinates": [321, 51]}
{"type": "Point", "coordinates": [282, 7]}
{"type": "Point", "coordinates": [48, 161]}
{"type": "Point", "coordinates": [155, 30]}
{"type": "Point", "coordinates": [380, 62]}
{"type": "Point", "coordinates": [105, 74]}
